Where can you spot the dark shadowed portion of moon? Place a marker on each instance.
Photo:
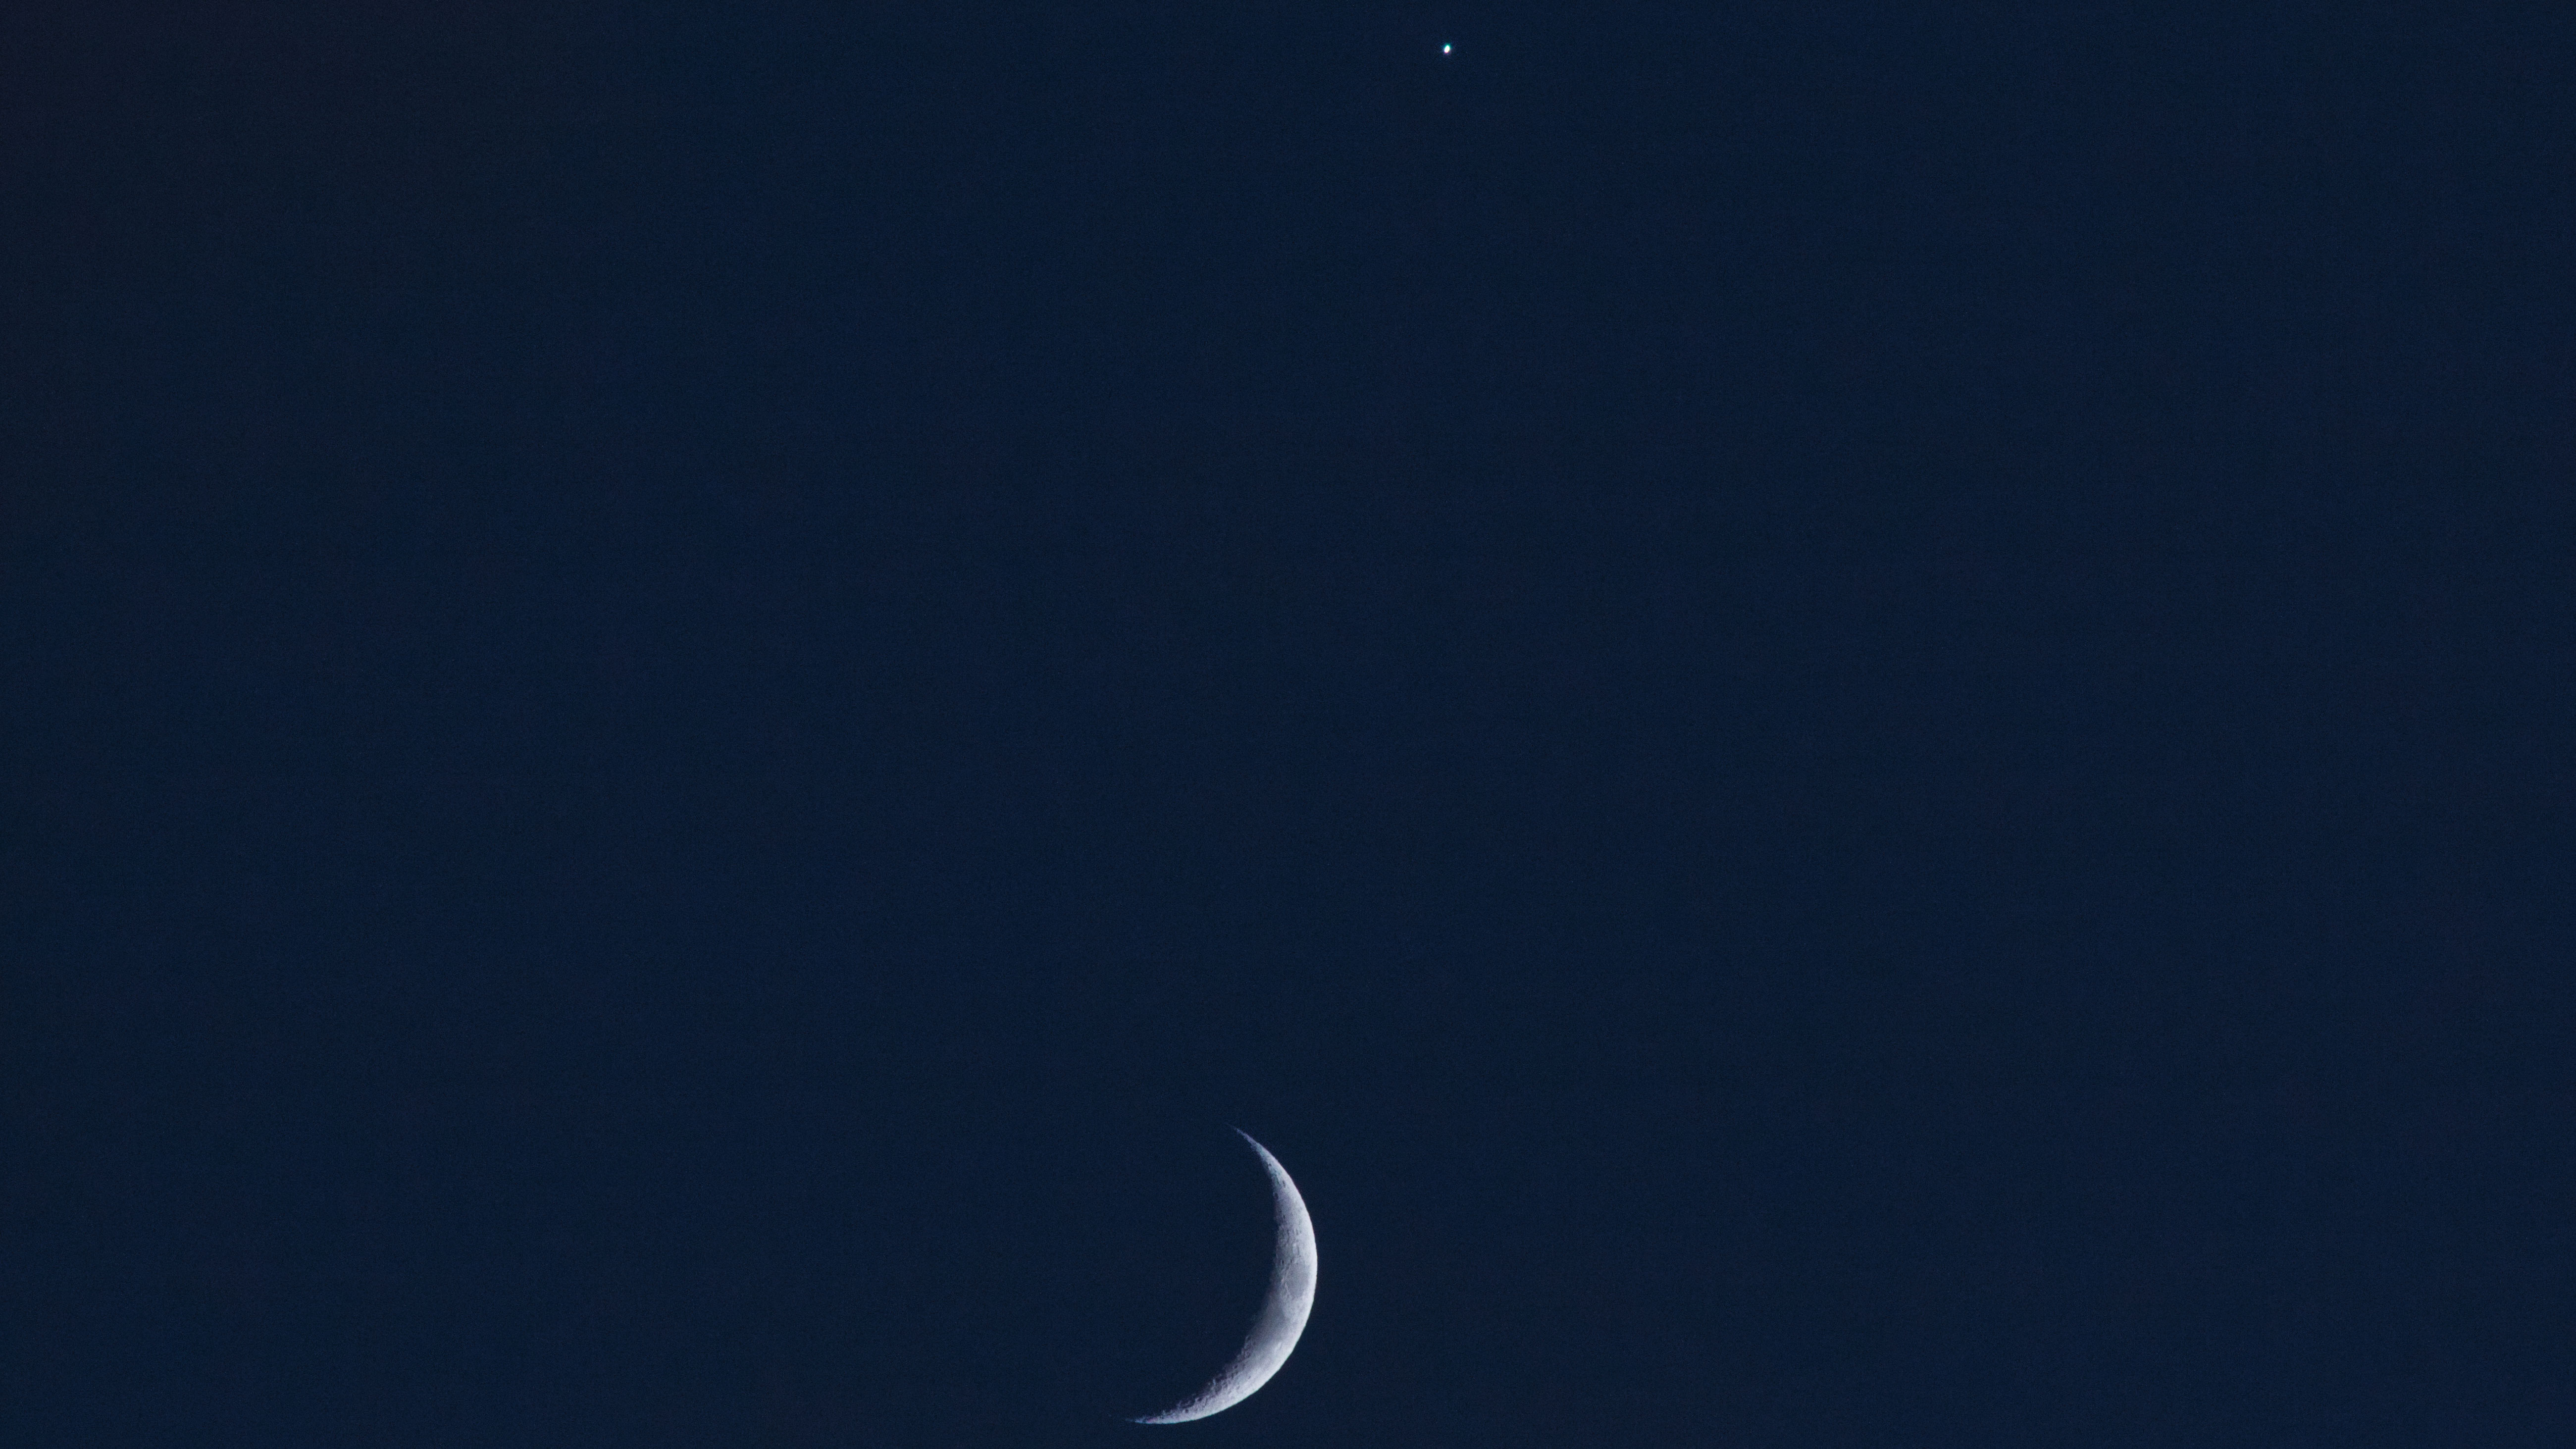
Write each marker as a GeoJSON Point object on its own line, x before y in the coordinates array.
{"type": "Point", "coordinates": [1283, 1312]}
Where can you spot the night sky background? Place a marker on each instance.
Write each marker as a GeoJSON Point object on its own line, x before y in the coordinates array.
{"type": "Point", "coordinates": [1850, 722]}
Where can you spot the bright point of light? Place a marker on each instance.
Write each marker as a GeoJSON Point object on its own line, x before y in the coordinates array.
{"type": "Point", "coordinates": [1444, 47]}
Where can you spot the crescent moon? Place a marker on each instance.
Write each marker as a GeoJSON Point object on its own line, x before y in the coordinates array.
{"type": "Point", "coordinates": [1283, 1314]}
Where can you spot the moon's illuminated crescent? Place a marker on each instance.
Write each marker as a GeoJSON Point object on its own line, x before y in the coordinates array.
{"type": "Point", "coordinates": [1283, 1313]}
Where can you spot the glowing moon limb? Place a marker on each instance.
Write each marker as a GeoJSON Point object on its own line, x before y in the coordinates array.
{"type": "Point", "coordinates": [1283, 1314]}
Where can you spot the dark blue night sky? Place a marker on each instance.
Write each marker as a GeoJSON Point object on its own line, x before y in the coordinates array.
{"type": "Point", "coordinates": [1850, 722]}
